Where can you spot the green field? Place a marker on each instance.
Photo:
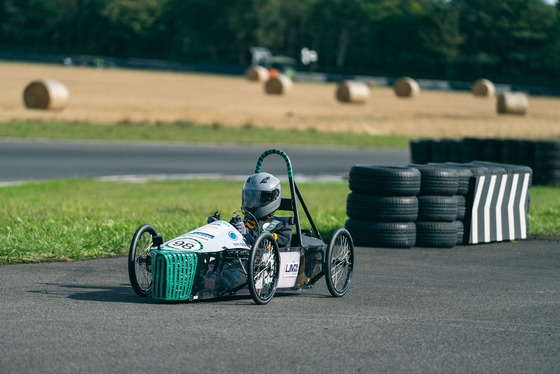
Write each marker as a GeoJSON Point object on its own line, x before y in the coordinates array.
{"type": "Point", "coordinates": [78, 218]}
{"type": "Point", "coordinates": [190, 132]}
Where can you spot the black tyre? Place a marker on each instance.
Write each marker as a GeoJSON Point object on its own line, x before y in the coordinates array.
{"type": "Point", "coordinates": [460, 232]}
{"type": "Point", "coordinates": [547, 163]}
{"type": "Point", "coordinates": [382, 234]}
{"type": "Point", "coordinates": [437, 180]}
{"type": "Point", "coordinates": [436, 234]}
{"type": "Point", "coordinates": [473, 149]}
{"type": "Point", "coordinates": [264, 269]}
{"type": "Point", "coordinates": [384, 180]}
{"type": "Point", "coordinates": [420, 151]}
{"type": "Point", "coordinates": [339, 262]}
{"type": "Point", "coordinates": [461, 207]}
{"type": "Point", "coordinates": [511, 149]}
{"type": "Point", "coordinates": [439, 149]}
{"type": "Point", "coordinates": [493, 150]}
{"type": "Point", "coordinates": [527, 153]}
{"type": "Point", "coordinates": [547, 177]}
{"type": "Point", "coordinates": [463, 173]}
{"type": "Point", "coordinates": [140, 260]}
{"type": "Point", "coordinates": [382, 208]}
{"type": "Point", "coordinates": [437, 208]}
{"type": "Point", "coordinates": [455, 150]}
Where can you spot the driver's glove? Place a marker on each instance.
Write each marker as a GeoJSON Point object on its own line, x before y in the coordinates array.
{"type": "Point", "coordinates": [237, 222]}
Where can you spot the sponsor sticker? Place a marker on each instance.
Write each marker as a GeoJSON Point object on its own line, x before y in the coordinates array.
{"type": "Point", "coordinates": [232, 235]}
{"type": "Point", "coordinates": [185, 244]}
{"type": "Point", "coordinates": [202, 234]}
{"type": "Point", "coordinates": [291, 269]}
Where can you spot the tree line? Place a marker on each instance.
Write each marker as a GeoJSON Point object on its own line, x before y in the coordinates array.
{"type": "Point", "coordinates": [513, 41]}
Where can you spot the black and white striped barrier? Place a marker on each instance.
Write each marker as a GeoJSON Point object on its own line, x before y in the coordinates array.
{"type": "Point", "coordinates": [497, 204]}
{"type": "Point", "coordinates": [499, 208]}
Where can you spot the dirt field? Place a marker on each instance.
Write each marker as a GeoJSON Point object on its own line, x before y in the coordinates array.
{"type": "Point", "coordinates": [129, 95]}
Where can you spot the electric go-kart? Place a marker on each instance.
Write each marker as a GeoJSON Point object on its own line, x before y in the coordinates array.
{"type": "Point", "coordinates": [215, 260]}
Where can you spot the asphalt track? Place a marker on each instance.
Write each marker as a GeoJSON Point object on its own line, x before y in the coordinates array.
{"type": "Point", "coordinates": [490, 308]}
{"type": "Point", "coordinates": [22, 160]}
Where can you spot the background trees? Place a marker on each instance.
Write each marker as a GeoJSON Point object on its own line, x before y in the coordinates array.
{"type": "Point", "coordinates": [515, 41]}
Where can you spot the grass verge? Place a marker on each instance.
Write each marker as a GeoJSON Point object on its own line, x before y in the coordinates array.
{"type": "Point", "coordinates": [191, 132]}
{"type": "Point", "coordinates": [78, 218]}
{"type": "Point", "coordinates": [544, 211]}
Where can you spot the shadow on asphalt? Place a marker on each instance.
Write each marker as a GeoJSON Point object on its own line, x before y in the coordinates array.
{"type": "Point", "coordinates": [117, 294]}
{"type": "Point", "coordinates": [125, 294]}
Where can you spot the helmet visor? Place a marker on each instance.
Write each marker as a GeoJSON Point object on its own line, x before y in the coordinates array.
{"type": "Point", "coordinates": [251, 199]}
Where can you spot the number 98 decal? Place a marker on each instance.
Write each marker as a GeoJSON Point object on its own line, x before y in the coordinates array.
{"type": "Point", "coordinates": [185, 244]}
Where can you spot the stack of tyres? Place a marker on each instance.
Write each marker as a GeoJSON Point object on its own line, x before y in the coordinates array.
{"type": "Point", "coordinates": [527, 154]}
{"type": "Point", "coordinates": [511, 151]}
{"type": "Point", "coordinates": [543, 157]}
{"type": "Point", "coordinates": [383, 205]}
{"type": "Point", "coordinates": [547, 163]}
{"type": "Point", "coordinates": [464, 175]}
{"type": "Point", "coordinates": [438, 207]}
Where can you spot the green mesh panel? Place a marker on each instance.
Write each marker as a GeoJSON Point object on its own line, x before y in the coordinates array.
{"type": "Point", "coordinates": [173, 274]}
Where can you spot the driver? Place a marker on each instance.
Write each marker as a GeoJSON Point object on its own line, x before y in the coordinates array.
{"type": "Point", "coordinates": [261, 197]}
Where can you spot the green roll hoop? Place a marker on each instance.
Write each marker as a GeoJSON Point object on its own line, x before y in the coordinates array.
{"type": "Point", "coordinates": [278, 152]}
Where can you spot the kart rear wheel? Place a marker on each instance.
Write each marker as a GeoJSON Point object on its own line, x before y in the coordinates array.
{"type": "Point", "coordinates": [140, 260]}
{"type": "Point", "coordinates": [264, 269]}
{"type": "Point", "coordinates": [339, 262]}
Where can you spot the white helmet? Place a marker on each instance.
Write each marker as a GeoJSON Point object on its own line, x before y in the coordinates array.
{"type": "Point", "coordinates": [261, 194]}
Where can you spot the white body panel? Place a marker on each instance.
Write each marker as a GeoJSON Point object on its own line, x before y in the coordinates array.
{"type": "Point", "coordinates": [213, 237]}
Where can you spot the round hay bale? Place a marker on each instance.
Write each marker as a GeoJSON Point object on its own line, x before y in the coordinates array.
{"type": "Point", "coordinates": [256, 73]}
{"type": "Point", "coordinates": [279, 85]}
{"type": "Point", "coordinates": [483, 87]}
{"type": "Point", "coordinates": [512, 103]}
{"type": "Point", "coordinates": [406, 87]}
{"type": "Point", "coordinates": [45, 94]}
{"type": "Point", "coordinates": [352, 92]}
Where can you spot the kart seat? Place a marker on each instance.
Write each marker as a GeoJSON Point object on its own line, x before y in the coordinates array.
{"type": "Point", "coordinates": [310, 242]}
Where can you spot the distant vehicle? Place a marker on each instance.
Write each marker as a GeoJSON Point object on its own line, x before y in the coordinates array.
{"type": "Point", "coordinates": [283, 64]}
{"type": "Point", "coordinates": [84, 60]}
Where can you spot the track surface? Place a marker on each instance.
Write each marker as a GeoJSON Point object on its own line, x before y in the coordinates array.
{"type": "Point", "coordinates": [488, 308]}
{"type": "Point", "coordinates": [46, 159]}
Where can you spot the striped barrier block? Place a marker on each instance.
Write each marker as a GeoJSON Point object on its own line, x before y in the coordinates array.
{"type": "Point", "coordinates": [497, 204]}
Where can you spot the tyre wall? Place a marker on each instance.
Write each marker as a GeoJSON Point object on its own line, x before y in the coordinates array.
{"type": "Point", "coordinates": [438, 204]}
{"type": "Point", "coordinates": [543, 157]}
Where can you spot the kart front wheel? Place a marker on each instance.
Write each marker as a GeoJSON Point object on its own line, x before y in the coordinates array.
{"type": "Point", "coordinates": [339, 262]}
{"type": "Point", "coordinates": [264, 269]}
{"type": "Point", "coordinates": [140, 260]}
